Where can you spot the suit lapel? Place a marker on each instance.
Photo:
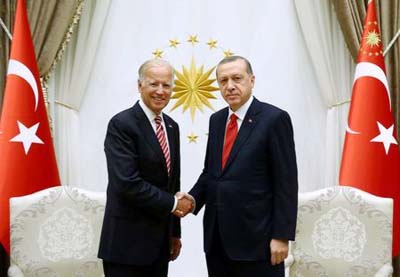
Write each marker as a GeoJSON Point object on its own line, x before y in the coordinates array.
{"type": "Point", "coordinates": [220, 126]}
{"type": "Point", "coordinates": [249, 122]}
{"type": "Point", "coordinates": [148, 133]}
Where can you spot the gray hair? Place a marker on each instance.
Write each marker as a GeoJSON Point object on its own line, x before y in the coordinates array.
{"type": "Point", "coordinates": [151, 63]}
{"type": "Point", "coordinates": [229, 59]}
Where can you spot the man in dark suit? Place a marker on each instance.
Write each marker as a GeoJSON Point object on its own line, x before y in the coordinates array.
{"type": "Point", "coordinates": [140, 234]}
{"type": "Point", "coordinates": [249, 181]}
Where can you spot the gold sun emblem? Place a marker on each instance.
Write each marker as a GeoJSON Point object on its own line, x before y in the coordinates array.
{"type": "Point", "coordinates": [193, 88]}
{"type": "Point", "coordinates": [373, 39]}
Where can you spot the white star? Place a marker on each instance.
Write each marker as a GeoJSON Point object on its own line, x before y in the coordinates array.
{"type": "Point", "coordinates": [27, 136]}
{"type": "Point", "coordinates": [385, 136]}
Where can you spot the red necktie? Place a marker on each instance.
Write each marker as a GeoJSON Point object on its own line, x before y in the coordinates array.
{"type": "Point", "coordinates": [163, 141]}
{"type": "Point", "coordinates": [230, 136]}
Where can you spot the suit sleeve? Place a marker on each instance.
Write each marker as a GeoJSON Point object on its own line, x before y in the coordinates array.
{"type": "Point", "coordinates": [285, 185]}
{"type": "Point", "coordinates": [176, 221]}
{"type": "Point", "coordinates": [124, 176]}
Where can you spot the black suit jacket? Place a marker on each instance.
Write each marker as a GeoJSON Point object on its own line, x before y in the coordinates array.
{"type": "Point", "coordinates": [254, 198]}
{"type": "Point", "coordinates": [140, 194]}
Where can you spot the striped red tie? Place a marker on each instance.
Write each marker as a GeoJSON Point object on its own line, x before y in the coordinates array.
{"type": "Point", "coordinates": [163, 141]}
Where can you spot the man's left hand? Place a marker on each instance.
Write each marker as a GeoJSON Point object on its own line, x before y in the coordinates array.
{"type": "Point", "coordinates": [279, 250]}
{"type": "Point", "coordinates": [175, 248]}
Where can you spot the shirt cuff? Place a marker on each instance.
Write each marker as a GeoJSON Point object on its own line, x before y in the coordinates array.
{"type": "Point", "coordinates": [175, 204]}
{"type": "Point", "coordinates": [194, 203]}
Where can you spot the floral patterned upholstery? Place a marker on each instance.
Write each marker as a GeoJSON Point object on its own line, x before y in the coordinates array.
{"type": "Point", "coordinates": [342, 231]}
{"type": "Point", "coordinates": [56, 232]}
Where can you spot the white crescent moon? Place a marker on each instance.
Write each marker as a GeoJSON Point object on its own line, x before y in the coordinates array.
{"type": "Point", "coordinates": [365, 69]}
{"type": "Point", "coordinates": [349, 130]}
{"type": "Point", "coordinates": [17, 68]}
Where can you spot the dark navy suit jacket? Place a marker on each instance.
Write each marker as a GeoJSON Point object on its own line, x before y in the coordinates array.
{"type": "Point", "coordinates": [140, 194]}
{"type": "Point", "coordinates": [254, 199]}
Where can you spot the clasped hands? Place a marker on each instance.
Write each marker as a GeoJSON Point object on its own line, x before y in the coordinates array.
{"type": "Point", "coordinates": [186, 204]}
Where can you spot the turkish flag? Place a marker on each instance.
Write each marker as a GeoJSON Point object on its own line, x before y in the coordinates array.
{"type": "Point", "coordinates": [27, 160]}
{"type": "Point", "coordinates": [371, 157]}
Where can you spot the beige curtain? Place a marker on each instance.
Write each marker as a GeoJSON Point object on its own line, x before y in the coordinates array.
{"type": "Point", "coordinates": [51, 23]}
{"type": "Point", "coordinates": [350, 14]}
{"type": "Point", "coordinates": [7, 12]}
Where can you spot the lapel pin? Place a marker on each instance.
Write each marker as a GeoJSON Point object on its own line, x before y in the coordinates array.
{"type": "Point", "coordinates": [250, 120]}
{"type": "Point", "coordinates": [170, 126]}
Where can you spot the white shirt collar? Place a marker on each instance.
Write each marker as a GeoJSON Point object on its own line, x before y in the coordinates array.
{"type": "Point", "coordinates": [149, 113]}
{"type": "Point", "coordinates": [241, 112]}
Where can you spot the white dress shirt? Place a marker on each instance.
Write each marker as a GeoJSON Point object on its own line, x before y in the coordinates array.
{"type": "Point", "coordinates": [240, 113]}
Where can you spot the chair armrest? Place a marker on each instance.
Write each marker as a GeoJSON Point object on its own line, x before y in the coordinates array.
{"type": "Point", "coordinates": [289, 261]}
{"type": "Point", "coordinates": [385, 271]}
{"type": "Point", "coordinates": [14, 271]}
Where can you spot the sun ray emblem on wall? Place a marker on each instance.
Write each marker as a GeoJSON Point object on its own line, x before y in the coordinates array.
{"type": "Point", "coordinates": [193, 88]}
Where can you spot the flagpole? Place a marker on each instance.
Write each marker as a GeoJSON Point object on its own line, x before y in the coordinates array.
{"type": "Point", "coordinates": [5, 29]}
{"type": "Point", "coordinates": [396, 36]}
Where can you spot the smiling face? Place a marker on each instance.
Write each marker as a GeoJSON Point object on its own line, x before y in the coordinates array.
{"type": "Point", "coordinates": [156, 86]}
{"type": "Point", "coordinates": [235, 83]}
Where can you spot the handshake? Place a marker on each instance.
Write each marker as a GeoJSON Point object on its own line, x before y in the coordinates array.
{"type": "Point", "coordinates": [186, 204]}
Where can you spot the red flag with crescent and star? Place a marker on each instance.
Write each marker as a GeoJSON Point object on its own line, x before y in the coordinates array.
{"type": "Point", "coordinates": [371, 157]}
{"type": "Point", "coordinates": [27, 159]}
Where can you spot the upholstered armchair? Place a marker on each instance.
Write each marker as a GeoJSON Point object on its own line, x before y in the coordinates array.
{"type": "Point", "coordinates": [342, 231]}
{"type": "Point", "coordinates": [56, 232]}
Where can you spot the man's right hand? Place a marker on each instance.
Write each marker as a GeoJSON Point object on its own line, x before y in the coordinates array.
{"type": "Point", "coordinates": [185, 204]}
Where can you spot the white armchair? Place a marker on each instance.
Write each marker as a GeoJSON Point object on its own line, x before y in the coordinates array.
{"type": "Point", "coordinates": [342, 231]}
{"type": "Point", "coordinates": [56, 232]}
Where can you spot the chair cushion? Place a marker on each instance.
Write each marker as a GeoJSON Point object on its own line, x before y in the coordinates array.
{"type": "Point", "coordinates": [55, 232]}
{"type": "Point", "coordinates": [342, 231]}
